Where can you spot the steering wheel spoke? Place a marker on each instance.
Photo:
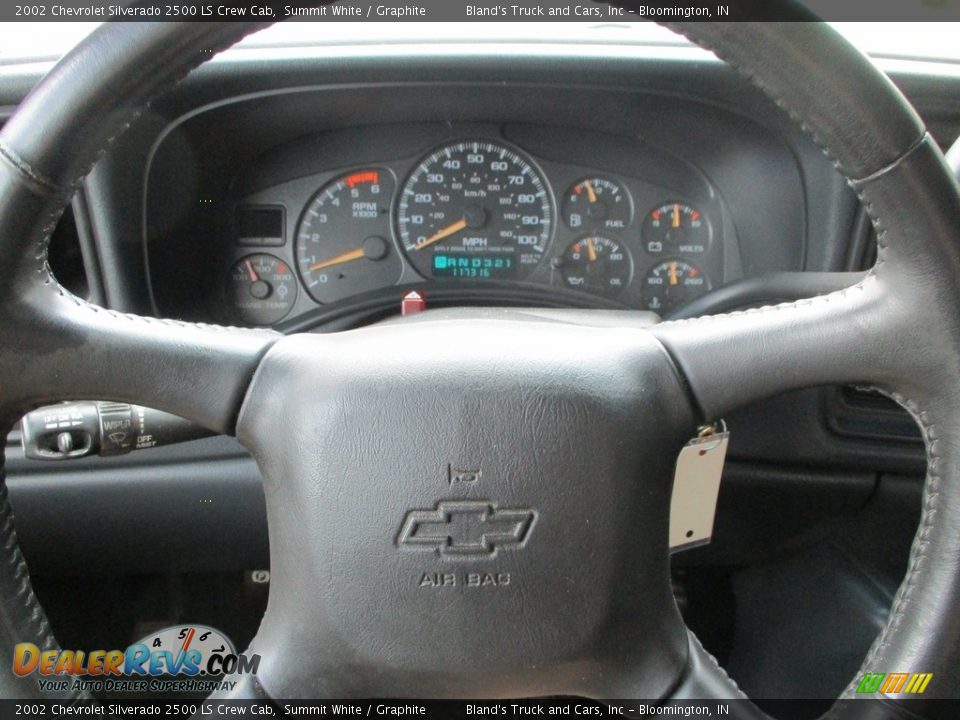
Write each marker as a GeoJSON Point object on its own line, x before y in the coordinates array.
{"type": "Point", "coordinates": [59, 347]}
{"type": "Point", "coordinates": [734, 359]}
{"type": "Point", "coordinates": [194, 371]}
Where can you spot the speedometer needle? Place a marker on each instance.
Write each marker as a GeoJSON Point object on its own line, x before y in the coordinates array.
{"type": "Point", "coordinates": [339, 259]}
{"type": "Point", "coordinates": [441, 234]}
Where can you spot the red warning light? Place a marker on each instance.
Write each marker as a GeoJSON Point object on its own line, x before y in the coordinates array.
{"type": "Point", "coordinates": [370, 176]}
{"type": "Point", "coordinates": [413, 302]}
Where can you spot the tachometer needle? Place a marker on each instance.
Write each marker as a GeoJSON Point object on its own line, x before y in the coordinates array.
{"type": "Point", "coordinates": [251, 272]}
{"type": "Point", "coordinates": [591, 250]}
{"type": "Point", "coordinates": [591, 193]}
{"type": "Point", "coordinates": [346, 257]}
{"type": "Point", "coordinates": [441, 234]}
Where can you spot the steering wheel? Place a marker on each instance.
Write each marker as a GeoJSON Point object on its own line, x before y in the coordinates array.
{"type": "Point", "coordinates": [572, 430]}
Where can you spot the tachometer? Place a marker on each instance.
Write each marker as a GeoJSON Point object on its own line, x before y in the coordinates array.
{"type": "Point", "coordinates": [342, 246]}
{"type": "Point", "coordinates": [475, 209]}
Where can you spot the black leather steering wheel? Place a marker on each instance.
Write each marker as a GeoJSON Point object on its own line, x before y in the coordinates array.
{"type": "Point", "coordinates": [574, 428]}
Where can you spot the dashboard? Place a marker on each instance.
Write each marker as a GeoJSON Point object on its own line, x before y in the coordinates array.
{"type": "Point", "coordinates": [291, 208]}
{"type": "Point", "coordinates": [447, 206]}
{"type": "Point", "coordinates": [475, 207]}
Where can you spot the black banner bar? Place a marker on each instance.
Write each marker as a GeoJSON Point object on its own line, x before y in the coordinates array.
{"type": "Point", "coordinates": [867, 709]}
{"type": "Point", "coordinates": [482, 10]}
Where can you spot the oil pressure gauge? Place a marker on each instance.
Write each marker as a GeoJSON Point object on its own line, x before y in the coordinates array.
{"type": "Point", "coordinates": [596, 263]}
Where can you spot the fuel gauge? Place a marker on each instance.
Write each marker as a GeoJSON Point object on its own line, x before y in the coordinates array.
{"type": "Point", "coordinates": [596, 202]}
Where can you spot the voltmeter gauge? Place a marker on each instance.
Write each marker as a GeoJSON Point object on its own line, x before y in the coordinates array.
{"type": "Point", "coordinates": [261, 289]}
{"type": "Point", "coordinates": [598, 264]}
{"type": "Point", "coordinates": [597, 203]}
{"type": "Point", "coordinates": [676, 228]}
{"type": "Point", "coordinates": [671, 284]}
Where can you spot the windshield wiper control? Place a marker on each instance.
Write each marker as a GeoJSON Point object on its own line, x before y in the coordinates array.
{"type": "Point", "coordinates": [79, 429]}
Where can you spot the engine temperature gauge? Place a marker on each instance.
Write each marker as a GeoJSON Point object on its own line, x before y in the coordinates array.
{"type": "Point", "coordinates": [598, 264]}
{"type": "Point", "coordinates": [261, 289]}
{"type": "Point", "coordinates": [671, 284]}
{"type": "Point", "coordinates": [597, 202]}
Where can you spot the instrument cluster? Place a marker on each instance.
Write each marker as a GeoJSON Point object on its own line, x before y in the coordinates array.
{"type": "Point", "coordinates": [470, 211]}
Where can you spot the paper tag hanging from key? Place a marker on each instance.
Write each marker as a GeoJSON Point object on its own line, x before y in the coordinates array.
{"type": "Point", "coordinates": [696, 485]}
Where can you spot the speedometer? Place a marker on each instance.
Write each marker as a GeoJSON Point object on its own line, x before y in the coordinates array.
{"type": "Point", "coordinates": [475, 209]}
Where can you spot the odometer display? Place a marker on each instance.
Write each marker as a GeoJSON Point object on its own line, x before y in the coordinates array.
{"type": "Point", "coordinates": [470, 266]}
{"type": "Point", "coordinates": [476, 210]}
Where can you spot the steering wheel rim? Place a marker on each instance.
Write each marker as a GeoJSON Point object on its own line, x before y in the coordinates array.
{"type": "Point", "coordinates": [901, 313]}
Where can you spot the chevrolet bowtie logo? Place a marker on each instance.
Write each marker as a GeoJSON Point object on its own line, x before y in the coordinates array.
{"type": "Point", "coordinates": [465, 527]}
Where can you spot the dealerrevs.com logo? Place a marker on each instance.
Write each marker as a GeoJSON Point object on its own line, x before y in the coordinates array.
{"type": "Point", "coordinates": [183, 658]}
